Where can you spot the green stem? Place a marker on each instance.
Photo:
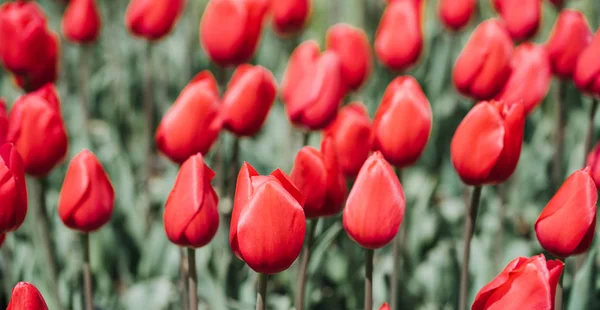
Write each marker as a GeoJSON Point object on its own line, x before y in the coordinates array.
{"type": "Point", "coordinates": [589, 137]}
{"type": "Point", "coordinates": [305, 138]}
{"type": "Point", "coordinates": [192, 279]}
{"type": "Point", "coordinates": [304, 264]}
{"type": "Point", "coordinates": [183, 279]}
{"type": "Point", "coordinates": [560, 110]}
{"type": "Point", "coordinates": [87, 273]}
{"type": "Point", "coordinates": [470, 221]}
{"type": "Point", "coordinates": [261, 293]}
{"type": "Point", "coordinates": [369, 279]}
{"type": "Point", "coordinates": [396, 251]}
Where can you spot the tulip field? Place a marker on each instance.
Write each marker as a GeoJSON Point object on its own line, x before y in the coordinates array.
{"type": "Point", "coordinates": [299, 154]}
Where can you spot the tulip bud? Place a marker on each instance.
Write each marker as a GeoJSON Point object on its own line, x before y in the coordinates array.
{"type": "Point", "coordinates": [13, 190]}
{"type": "Point", "coordinates": [593, 161]}
{"type": "Point", "coordinates": [37, 130]}
{"type": "Point", "coordinates": [352, 47]}
{"type": "Point", "coordinates": [487, 144]}
{"type": "Point", "coordinates": [351, 131]}
{"type": "Point", "coordinates": [522, 17]}
{"type": "Point", "coordinates": [191, 218]}
{"type": "Point", "coordinates": [530, 77]}
{"type": "Point", "coordinates": [587, 71]}
{"type": "Point", "coordinates": [374, 225]}
{"type": "Point", "coordinates": [267, 201]}
{"type": "Point", "coordinates": [248, 100]}
{"type": "Point", "coordinates": [525, 283]}
{"type": "Point", "coordinates": [570, 36]}
{"type": "Point", "coordinates": [239, 24]}
{"type": "Point", "coordinates": [25, 296]}
{"type": "Point", "coordinates": [81, 22]}
{"type": "Point", "coordinates": [152, 19]}
{"type": "Point", "coordinates": [3, 121]}
{"type": "Point", "coordinates": [190, 126]}
{"type": "Point", "coordinates": [455, 14]}
{"type": "Point", "coordinates": [289, 16]}
{"type": "Point", "coordinates": [317, 175]}
{"type": "Point", "coordinates": [385, 306]}
{"type": "Point", "coordinates": [402, 123]}
{"type": "Point", "coordinates": [567, 224]}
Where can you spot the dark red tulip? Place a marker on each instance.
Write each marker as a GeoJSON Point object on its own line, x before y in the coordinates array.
{"type": "Point", "coordinates": [522, 17]}
{"type": "Point", "coordinates": [81, 22]}
{"type": "Point", "coordinates": [352, 47]}
{"type": "Point", "coordinates": [483, 66]}
{"type": "Point", "coordinates": [267, 201]}
{"type": "Point", "coordinates": [152, 19]}
{"type": "Point", "coordinates": [351, 131]}
{"type": "Point", "coordinates": [525, 283]}
{"type": "Point", "coordinates": [191, 217]}
{"type": "Point", "coordinates": [37, 129]}
{"type": "Point", "coordinates": [13, 190]}
{"type": "Point", "coordinates": [487, 144]}
{"type": "Point", "coordinates": [530, 78]}
{"type": "Point", "coordinates": [567, 224]}
{"type": "Point", "coordinates": [593, 161]}
{"type": "Point", "coordinates": [25, 296]}
{"type": "Point", "coordinates": [455, 14]}
{"type": "Point", "coordinates": [570, 36]}
{"type": "Point", "coordinates": [289, 16]}
{"type": "Point", "coordinates": [248, 100]}
{"type": "Point", "coordinates": [587, 71]}
{"type": "Point", "coordinates": [3, 121]}
{"type": "Point", "coordinates": [385, 306]}
{"type": "Point", "coordinates": [374, 225]}
{"type": "Point", "coordinates": [191, 125]}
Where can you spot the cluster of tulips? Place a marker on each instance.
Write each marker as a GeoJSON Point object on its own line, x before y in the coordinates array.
{"type": "Point", "coordinates": [274, 216]}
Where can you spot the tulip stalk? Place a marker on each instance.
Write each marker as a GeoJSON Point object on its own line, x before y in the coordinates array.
{"type": "Point", "coordinates": [305, 138]}
{"type": "Point", "coordinates": [192, 279]}
{"type": "Point", "coordinates": [183, 279]}
{"type": "Point", "coordinates": [148, 113]}
{"type": "Point", "coordinates": [470, 221]}
{"type": "Point", "coordinates": [589, 137]}
{"type": "Point", "coordinates": [304, 264]}
{"type": "Point", "coordinates": [369, 279]}
{"type": "Point", "coordinates": [85, 58]}
{"type": "Point", "coordinates": [261, 293]}
{"type": "Point", "coordinates": [396, 251]}
{"type": "Point", "coordinates": [557, 173]}
{"type": "Point", "coordinates": [87, 273]}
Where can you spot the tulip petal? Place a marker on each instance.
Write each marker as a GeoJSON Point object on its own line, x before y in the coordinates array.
{"type": "Point", "coordinates": [243, 192]}
{"type": "Point", "coordinates": [309, 175]}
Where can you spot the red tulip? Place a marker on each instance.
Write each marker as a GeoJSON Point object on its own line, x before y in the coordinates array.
{"type": "Point", "coordinates": [593, 161]}
{"type": "Point", "coordinates": [248, 100]}
{"type": "Point", "coordinates": [487, 144]}
{"type": "Point", "coordinates": [267, 201]}
{"type": "Point", "coordinates": [587, 71]}
{"type": "Point", "coordinates": [398, 50]}
{"type": "Point", "coordinates": [567, 224]}
{"type": "Point", "coordinates": [352, 47]}
{"type": "Point", "coordinates": [3, 121]}
{"type": "Point", "coordinates": [530, 78]}
{"type": "Point", "coordinates": [25, 296]}
{"type": "Point", "coordinates": [191, 218]}
{"type": "Point", "coordinates": [455, 14]}
{"type": "Point", "coordinates": [570, 36]}
{"type": "Point", "coordinates": [81, 22]}
{"type": "Point", "coordinates": [525, 283]}
{"type": "Point", "coordinates": [385, 306]}
{"type": "Point", "coordinates": [37, 129]}
{"type": "Point", "coordinates": [289, 16]}
{"type": "Point", "coordinates": [190, 126]}
{"type": "Point", "coordinates": [239, 24]}
{"type": "Point", "coordinates": [375, 205]}
{"type": "Point", "coordinates": [152, 19]}
{"type": "Point", "coordinates": [317, 175]}
{"type": "Point", "coordinates": [522, 17]}
{"type": "Point", "coordinates": [351, 131]}
{"type": "Point", "coordinates": [13, 190]}
{"type": "Point", "coordinates": [402, 123]}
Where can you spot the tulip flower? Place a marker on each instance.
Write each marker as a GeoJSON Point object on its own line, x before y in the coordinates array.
{"type": "Point", "coordinates": [525, 283]}
{"type": "Point", "coordinates": [152, 19]}
{"type": "Point", "coordinates": [593, 161]}
{"type": "Point", "coordinates": [248, 100]}
{"type": "Point", "coordinates": [3, 121]}
{"type": "Point", "coordinates": [37, 130]}
{"type": "Point", "coordinates": [289, 16]}
{"type": "Point", "coordinates": [455, 14]}
{"type": "Point", "coordinates": [81, 22]}
{"type": "Point", "coordinates": [570, 36]}
{"type": "Point", "coordinates": [352, 47]}
{"type": "Point", "coordinates": [239, 24]}
{"type": "Point", "coordinates": [522, 17]}
{"type": "Point", "coordinates": [25, 296]}
{"type": "Point", "coordinates": [587, 71]}
{"type": "Point", "coordinates": [385, 306]}
{"type": "Point", "coordinates": [351, 131]}
{"type": "Point", "coordinates": [567, 224]}
{"type": "Point", "coordinates": [190, 125]}
{"type": "Point", "coordinates": [530, 77]}
{"type": "Point", "coordinates": [13, 190]}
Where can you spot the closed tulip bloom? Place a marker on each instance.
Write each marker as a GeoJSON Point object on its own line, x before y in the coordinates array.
{"type": "Point", "coordinates": [25, 296]}
{"type": "Point", "coordinates": [525, 283]}
{"type": "Point", "coordinates": [352, 47]}
{"type": "Point", "coordinates": [587, 71]}
{"type": "Point", "coordinates": [593, 161]}
{"type": "Point", "coordinates": [487, 144]}
{"type": "Point", "coordinates": [248, 100]}
{"type": "Point", "coordinates": [13, 190]}
{"type": "Point", "coordinates": [374, 225]}
{"type": "Point", "coordinates": [567, 224]}
{"type": "Point", "coordinates": [81, 22]}
{"type": "Point", "coordinates": [522, 17]}
{"type": "Point", "coordinates": [385, 306]}
{"type": "Point", "coordinates": [190, 126]}
{"type": "Point", "coordinates": [37, 130]}
{"type": "Point", "coordinates": [289, 16]}
{"type": "Point", "coordinates": [152, 19]}
{"type": "Point", "coordinates": [267, 201]}
{"type": "Point", "coordinates": [3, 121]}
{"type": "Point", "coordinates": [570, 36]}
{"type": "Point", "coordinates": [455, 14]}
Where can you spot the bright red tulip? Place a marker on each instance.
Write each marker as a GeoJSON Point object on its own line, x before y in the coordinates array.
{"type": "Point", "coordinates": [522, 17]}
{"type": "Point", "coordinates": [191, 217]}
{"type": "Point", "coordinates": [152, 19]}
{"type": "Point", "coordinates": [3, 121]}
{"type": "Point", "coordinates": [81, 22]}
{"type": "Point", "coordinates": [13, 190]}
{"type": "Point", "coordinates": [487, 144]}
{"type": "Point", "coordinates": [248, 100]}
{"type": "Point", "coordinates": [530, 78]}
{"type": "Point", "coordinates": [525, 283]}
{"type": "Point", "coordinates": [191, 125]}
{"type": "Point", "coordinates": [267, 201]}
{"type": "Point", "coordinates": [239, 24]}
{"type": "Point", "coordinates": [25, 296]}
{"type": "Point", "coordinates": [385, 306]}
{"type": "Point", "coordinates": [352, 47]}
{"type": "Point", "coordinates": [455, 14]}
{"type": "Point", "coordinates": [374, 225]}
{"type": "Point", "coordinates": [570, 36]}
{"type": "Point", "coordinates": [567, 224]}
{"type": "Point", "coordinates": [37, 129]}
{"type": "Point", "coordinates": [587, 71]}
{"type": "Point", "coordinates": [351, 131]}
{"type": "Point", "coordinates": [593, 161]}
{"type": "Point", "coordinates": [289, 16]}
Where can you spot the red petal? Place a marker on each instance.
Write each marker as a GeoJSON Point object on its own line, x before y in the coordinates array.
{"type": "Point", "coordinates": [309, 175]}
{"type": "Point", "coordinates": [243, 191]}
{"type": "Point", "coordinates": [26, 296]}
